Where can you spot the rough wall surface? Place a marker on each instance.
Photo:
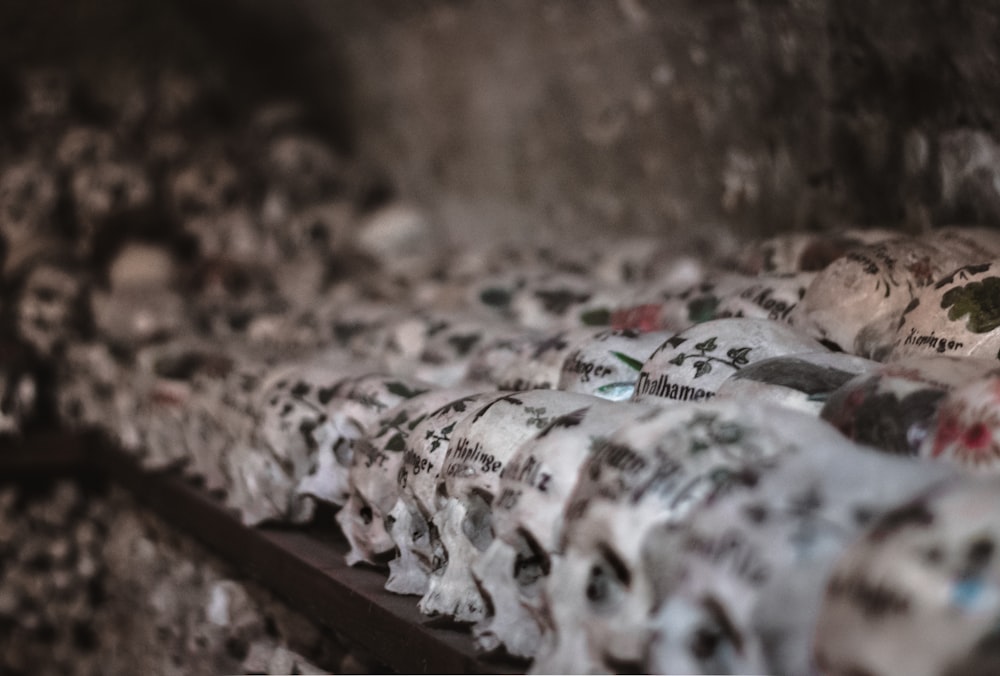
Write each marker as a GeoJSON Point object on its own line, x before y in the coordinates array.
{"type": "Point", "coordinates": [563, 116]}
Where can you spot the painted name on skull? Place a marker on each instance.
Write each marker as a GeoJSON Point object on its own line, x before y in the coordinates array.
{"type": "Point", "coordinates": [763, 298]}
{"type": "Point", "coordinates": [585, 369]}
{"type": "Point", "coordinates": [662, 387]}
{"type": "Point", "coordinates": [939, 344]}
{"type": "Point", "coordinates": [473, 453]}
{"type": "Point", "coordinates": [734, 548]}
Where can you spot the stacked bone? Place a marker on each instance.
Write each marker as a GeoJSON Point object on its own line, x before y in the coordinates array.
{"type": "Point", "coordinates": [90, 586]}
{"type": "Point", "coordinates": [606, 457]}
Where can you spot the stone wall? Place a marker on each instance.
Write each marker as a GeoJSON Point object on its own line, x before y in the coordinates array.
{"type": "Point", "coordinates": [522, 116]}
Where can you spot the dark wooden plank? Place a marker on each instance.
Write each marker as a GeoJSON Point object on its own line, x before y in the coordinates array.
{"type": "Point", "coordinates": [54, 453]}
{"type": "Point", "coordinates": [307, 570]}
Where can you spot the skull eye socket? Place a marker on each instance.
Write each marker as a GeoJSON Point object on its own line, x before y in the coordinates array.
{"type": "Point", "coordinates": [531, 562]}
{"type": "Point", "coordinates": [478, 522]}
{"type": "Point", "coordinates": [343, 451]}
{"type": "Point", "coordinates": [365, 512]}
{"type": "Point", "coordinates": [608, 579]}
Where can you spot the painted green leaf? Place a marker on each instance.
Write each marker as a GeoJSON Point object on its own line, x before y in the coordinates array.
{"type": "Point", "coordinates": [616, 391]}
{"type": "Point", "coordinates": [633, 364]}
{"type": "Point", "coordinates": [979, 300]}
{"type": "Point", "coordinates": [678, 360]}
{"type": "Point", "coordinates": [701, 368]}
{"type": "Point", "coordinates": [596, 317]}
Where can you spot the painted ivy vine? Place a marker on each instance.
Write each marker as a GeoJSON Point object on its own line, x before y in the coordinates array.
{"type": "Point", "coordinates": [736, 357]}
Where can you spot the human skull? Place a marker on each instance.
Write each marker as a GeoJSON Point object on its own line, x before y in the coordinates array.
{"type": "Point", "coordinates": [265, 468]}
{"type": "Point", "coordinates": [527, 521]}
{"type": "Point", "coordinates": [551, 301]}
{"type": "Point", "coordinates": [738, 585]}
{"type": "Point", "coordinates": [49, 311]}
{"type": "Point", "coordinates": [967, 428]}
{"type": "Point", "coordinates": [82, 145]}
{"type": "Point", "coordinates": [957, 316]}
{"type": "Point", "coordinates": [90, 389]}
{"type": "Point", "coordinates": [919, 593]}
{"type": "Point", "coordinates": [656, 470]}
{"type": "Point", "coordinates": [805, 252]}
{"type": "Point", "coordinates": [801, 381]}
{"type": "Point", "coordinates": [481, 445]}
{"type": "Point", "coordinates": [208, 184]}
{"type": "Point", "coordinates": [410, 521]}
{"type": "Point", "coordinates": [893, 407]}
{"type": "Point", "coordinates": [856, 302]}
{"type": "Point", "coordinates": [169, 382]}
{"type": "Point", "coordinates": [538, 360]}
{"type": "Point", "coordinates": [378, 458]}
{"type": "Point", "coordinates": [106, 190]}
{"type": "Point", "coordinates": [608, 363]}
{"type": "Point", "coordinates": [675, 309]}
{"type": "Point", "coordinates": [452, 347]}
{"type": "Point", "coordinates": [766, 297]}
{"type": "Point", "coordinates": [692, 365]}
{"type": "Point", "coordinates": [28, 198]}
{"type": "Point", "coordinates": [347, 410]}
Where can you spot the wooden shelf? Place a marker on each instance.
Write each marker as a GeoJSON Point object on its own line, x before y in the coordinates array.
{"type": "Point", "coordinates": [304, 567]}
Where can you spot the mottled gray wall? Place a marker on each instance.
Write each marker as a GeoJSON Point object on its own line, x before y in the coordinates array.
{"type": "Point", "coordinates": [788, 114]}
{"type": "Point", "coordinates": [634, 114]}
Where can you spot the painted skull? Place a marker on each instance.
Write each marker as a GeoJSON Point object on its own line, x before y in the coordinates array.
{"type": "Point", "coordinates": [538, 361]}
{"type": "Point", "coordinates": [527, 521]}
{"type": "Point", "coordinates": [410, 521]}
{"type": "Point", "coordinates": [608, 363]}
{"type": "Point", "coordinates": [656, 470]}
{"type": "Point", "coordinates": [481, 445]}
{"type": "Point", "coordinates": [958, 316]}
{"type": "Point", "coordinates": [894, 406]}
{"type": "Point", "coordinates": [280, 449]}
{"type": "Point", "coordinates": [801, 381]}
{"type": "Point", "coordinates": [967, 427]}
{"type": "Point", "coordinates": [738, 586]}
{"type": "Point", "coordinates": [656, 308]}
{"type": "Point", "coordinates": [692, 365]}
{"type": "Point", "coordinates": [919, 593]}
{"type": "Point", "coordinates": [856, 302]}
{"type": "Point", "coordinates": [348, 409]}
{"type": "Point", "coordinates": [766, 297]}
{"type": "Point", "coordinates": [804, 252]}
{"type": "Point", "coordinates": [561, 300]}
{"type": "Point", "coordinates": [378, 458]}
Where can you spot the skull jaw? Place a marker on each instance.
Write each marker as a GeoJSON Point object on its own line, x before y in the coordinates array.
{"type": "Point", "coordinates": [510, 624]}
{"type": "Point", "coordinates": [453, 592]}
{"type": "Point", "coordinates": [407, 573]}
{"type": "Point", "coordinates": [563, 647]}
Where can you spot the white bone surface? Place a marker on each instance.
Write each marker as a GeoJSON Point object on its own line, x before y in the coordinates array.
{"type": "Point", "coordinates": [481, 445]}
{"type": "Point", "coordinates": [528, 517]}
